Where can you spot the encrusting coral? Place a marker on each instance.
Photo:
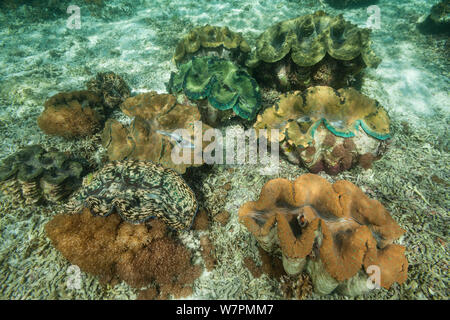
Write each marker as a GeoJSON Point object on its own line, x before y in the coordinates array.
{"type": "Point", "coordinates": [114, 251]}
{"type": "Point", "coordinates": [152, 134]}
{"type": "Point", "coordinates": [327, 129]}
{"type": "Point", "coordinates": [72, 114]}
{"type": "Point", "coordinates": [315, 49]}
{"type": "Point", "coordinates": [212, 40]}
{"type": "Point", "coordinates": [334, 232]}
{"type": "Point", "coordinates": [137, 191]}
{"type": "Point", "coordinates": [111, 87]}
{"type": "Point", "coordinates": [224, 87]}
{"type": "Point", "coordinates": [33, 174]}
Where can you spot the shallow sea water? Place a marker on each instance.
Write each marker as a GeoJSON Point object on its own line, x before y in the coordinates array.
{"type": "Point", "coordinates": [40, 57]}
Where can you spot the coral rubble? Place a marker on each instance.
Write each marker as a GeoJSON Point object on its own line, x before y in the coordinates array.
{"type": "Point", "coordinates": [114, 250]}
{"type": "Point", "coordinates": [315, 49]}
{"type": "Point", "coordinates": [334, 232]}
{"type": "Point", "coordinates": [212, 40]}
{"type": "Point", "coordinates": [299, 287]}
{"type": "Point", "coordinates": [72, 114]}
{"type": "Point", "coordinates": [111, 87]}
{"type": "Point", "coordinates": [226, 88]}
{"type": "Point", "coordinates": [208, 252]}
{"type": "Point", "coordinates": [152, 134]}
{"type": "Point", "coordinates": [327, 129]}
{"type": "Point", "coordinates": [138, 191]}
{"type": "Point", "coordinates": [33, 174]}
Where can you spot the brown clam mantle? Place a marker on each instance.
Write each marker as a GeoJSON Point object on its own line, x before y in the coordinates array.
{"type": "Point", "coordinates": [332, 231]}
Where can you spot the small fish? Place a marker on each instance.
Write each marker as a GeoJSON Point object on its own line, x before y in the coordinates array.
{"type": "Point", "coordinates": [152, 196]}
{"type": "Point", "coordinates": [303, 119]}
{"type": "Point", "coordinates": [280, 125]}
{"type": "Point", "coordinates": [182, 143]}
{"type": "Point", "coordinates": [339, 124]}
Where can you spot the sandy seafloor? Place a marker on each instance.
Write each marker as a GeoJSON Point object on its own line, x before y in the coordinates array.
{"type": "Point", "coordinates": [40, 57]}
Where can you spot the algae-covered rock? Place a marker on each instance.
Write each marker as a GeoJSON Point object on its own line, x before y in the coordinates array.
{"type": "Point", "coordinates": [212, 40]}
{"type": "Point", "coordinates": [438, 21]}
{"type": "Point", "coordinates": [33, 174]}
{"type": "Point", "coordinates": [315, 49]}
{"type": "Point", "coordinates": [327, 129]}
{"type": "Point", "coordinates": [226, 87]}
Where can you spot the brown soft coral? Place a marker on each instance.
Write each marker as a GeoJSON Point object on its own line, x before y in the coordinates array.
{"type": "Point", "coordinates": [152, 134]}
{"type": "Point", "coordinates": [72, 114]}
{"type": "Point", "coordinates": [330, 230]}
{"type": "Point", "coordinates": [114, 250]}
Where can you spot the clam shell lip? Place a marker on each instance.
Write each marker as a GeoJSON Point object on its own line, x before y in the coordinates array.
{"type": "Point", "coordinates": [374, 133]}
{"type": "Point", "coordinates": [350, 134]}
{"type": "Point", "coordinates": [138, 191]}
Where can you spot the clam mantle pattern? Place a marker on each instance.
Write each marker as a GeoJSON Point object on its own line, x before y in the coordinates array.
{"type": "Point", "coordinates": [138, 191]}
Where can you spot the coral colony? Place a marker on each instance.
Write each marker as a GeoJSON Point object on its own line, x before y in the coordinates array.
{"type": "Point", "coordinates": [127, 216]}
